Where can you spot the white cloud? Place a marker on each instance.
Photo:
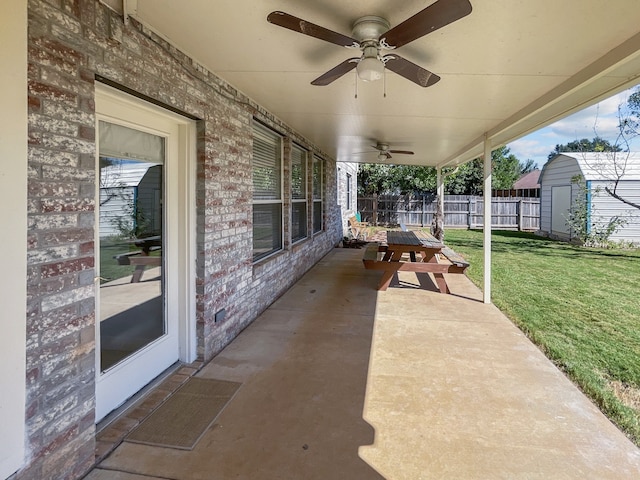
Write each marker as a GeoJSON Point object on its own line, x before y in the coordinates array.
{"type": "Point", "coordinates": [529, 147]}
{"type": "Point", "coordinates": [601, 120]}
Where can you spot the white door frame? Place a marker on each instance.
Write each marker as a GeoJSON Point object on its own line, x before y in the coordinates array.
{"type": "Point", "coordinates": [180, 342]}
{"type": "Point", "coordinates": [13, 255]}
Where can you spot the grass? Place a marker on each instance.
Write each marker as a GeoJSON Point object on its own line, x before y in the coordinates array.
{"type": "Point", "coordinates": [109, 267]}
{"type": "Point", "coordinates": [579, 305]}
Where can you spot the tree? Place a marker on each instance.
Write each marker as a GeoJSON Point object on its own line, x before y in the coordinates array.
{"type": "Point", "coordinates": [398, 179]}
{"type": "Point", "coordinates": [598, 144]}
{"type": "Point", "coordinates": [506, 168]}
{"type": "Point", "coordinates": [468, 179]}
{"type": "Point", "coordinates": [528, 166]}
{"type": "Point", "coordinates": [630, 117]}
{"type": "Point", "coordinates": [374, 178]}
{"type": "Point", "coordinates": [616, 153]}
{"type": "Point", "coordinates": [580, 219]}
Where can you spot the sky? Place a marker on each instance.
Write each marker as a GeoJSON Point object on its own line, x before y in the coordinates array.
{"type": "Point", "coordinates": [601, 118]}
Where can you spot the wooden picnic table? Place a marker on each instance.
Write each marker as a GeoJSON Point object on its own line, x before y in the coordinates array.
{"type": "Point", "coordinates": [426, 255]}
{"type": "Point", "coordinates": [142, 258]}
{"type": "Point", "coordinates": [399, 243]}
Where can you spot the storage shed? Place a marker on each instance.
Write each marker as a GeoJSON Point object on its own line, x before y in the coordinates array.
{"type": "Point", "coordinates": [130, 198]}
{"type": "Point", "coordinates": [596, 171]}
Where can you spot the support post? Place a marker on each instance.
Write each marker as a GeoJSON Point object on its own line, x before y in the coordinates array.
{"type": "Point", "coordinates": [437, 226]}
{"type": "Point", "coordinates": [487, 221]}
{"type": "Point", "coordinates": [440, 191]}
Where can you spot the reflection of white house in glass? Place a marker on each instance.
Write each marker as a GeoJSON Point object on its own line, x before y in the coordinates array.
{"type": "Point", "coordinates": [134, 189]}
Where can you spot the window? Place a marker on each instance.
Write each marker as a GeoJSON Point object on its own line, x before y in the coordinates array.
{"type": "Point", "coordinates": [267, 192]}
{"type": "Point", "coordinates": [298, 194]}
{"type": "Point", "coordinates": [348, 191]}
{"type": "Point", "coordinates": [317, 189]}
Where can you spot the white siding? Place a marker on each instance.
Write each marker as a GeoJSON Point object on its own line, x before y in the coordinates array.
{"type": "Point", "coordinates": [608, 166]}
{"type": "Point", "coordinates": [560, 170]}
{"type": "Point", "coordinates": [604, 207]}
{"type": "Point", "coordinates": [114, 203]}
{"type": "Point", "coordinates": [122, 186]}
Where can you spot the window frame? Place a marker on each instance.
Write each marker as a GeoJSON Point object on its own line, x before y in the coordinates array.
{"type": "Point", "coordinates": [348, 192]}
{"type": "Point", "coordinates": [317, 201]}
{"type": "Point", "coordinates": [265, 131]}
{"type": "Point", "coordinates": [303, 198]}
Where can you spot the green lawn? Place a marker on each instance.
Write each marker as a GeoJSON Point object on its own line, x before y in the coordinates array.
{"type": "Point", "coordinates": [580, 306]}
{"type": "Point", "coordinates": [109, 268]}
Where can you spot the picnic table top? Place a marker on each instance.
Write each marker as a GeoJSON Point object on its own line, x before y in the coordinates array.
{"type": "Point", "coordinates": [421, 238]}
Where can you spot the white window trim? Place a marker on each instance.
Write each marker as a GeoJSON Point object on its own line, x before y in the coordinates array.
{"type": "Point", "coordinates": [300, 200]}
{"type": "Point", "coordinates": [321, 199]}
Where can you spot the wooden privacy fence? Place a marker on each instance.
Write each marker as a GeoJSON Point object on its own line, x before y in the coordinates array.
{"type": "Point", "coordinates": [464, 211]}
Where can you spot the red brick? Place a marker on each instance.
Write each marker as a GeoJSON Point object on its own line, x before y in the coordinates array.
{"type": "Point", "coordinates": [61, 50]}
{"type": "Point", "coordinates": [50, 92]}
{"type": "Point", "coordinates": [72, 6]}
{"type": "Point", "coordinates": [67, 205]}
{"type": "Point", "coordinates": [87, 133]}
{"type": "Point", "coordinates": [68, 236]}
{"type": "Point", "coordinates": [87, 247]}
{"type": "Point", "coordinates": [34, 104]}
{"type": "Point", "coordinates": [66, 267]}
{"type": "Point", "coordinates": [40, 57]}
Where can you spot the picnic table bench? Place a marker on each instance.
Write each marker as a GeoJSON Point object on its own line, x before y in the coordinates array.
{"type": "Point", "coordinates": [141, 258]}
{"type": "Point", "coordinates": [434, 257]}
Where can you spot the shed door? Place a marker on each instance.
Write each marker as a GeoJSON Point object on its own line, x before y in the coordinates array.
{"type": "Point", "coordinates": [560, 208]}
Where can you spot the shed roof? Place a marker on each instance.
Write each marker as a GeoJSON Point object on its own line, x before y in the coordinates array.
{"type": "Point", "coordinates": [606, 166]}
{"type": "Point", "coordinates": [127, 174]}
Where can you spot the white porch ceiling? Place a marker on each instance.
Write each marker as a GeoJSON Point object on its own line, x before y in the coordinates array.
{"type": "Point", "coordinates": [507, 69]}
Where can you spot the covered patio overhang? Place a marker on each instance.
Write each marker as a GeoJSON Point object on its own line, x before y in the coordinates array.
{"type": "Point", "coordinates": [507, 69]}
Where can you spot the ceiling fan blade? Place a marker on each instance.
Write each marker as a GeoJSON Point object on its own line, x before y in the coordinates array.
{"type": "Point", "coordinates": [336, 72]}
{"type": "Point", "coordinates": [387, 154]}
{"type": "Point", "coordinates": [402, 152]}
{"type": "Point", "coordinates": [435, 16]}
{"type": "Point", "coordinates": [296, 24]}
{"type": "Point", "coordinates": [411, 71]}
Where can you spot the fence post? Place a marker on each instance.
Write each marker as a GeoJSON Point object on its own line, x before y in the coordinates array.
{"type": "Point", "coordinates": [375, 209]}
{"type": "Point", "coordinates": [520, 215]}
{"type": "Point", "coordinates": [470, 210]}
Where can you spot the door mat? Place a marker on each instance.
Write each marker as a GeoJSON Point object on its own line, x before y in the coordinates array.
{"type": "Point", "coordinates": [183, 419]}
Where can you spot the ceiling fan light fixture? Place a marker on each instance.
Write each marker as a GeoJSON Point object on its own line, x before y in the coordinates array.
{"type": "Point", "coordinates": [370, 69]}
{"type": "Point", "coordinates": [382, 156]}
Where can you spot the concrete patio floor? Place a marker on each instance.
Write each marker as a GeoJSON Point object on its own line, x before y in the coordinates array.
{"type": "Point", "coordinates": [340, 381]}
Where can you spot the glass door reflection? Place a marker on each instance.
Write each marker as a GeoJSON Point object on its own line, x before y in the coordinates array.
{"type": "Point", "coordinates": [132, 294]}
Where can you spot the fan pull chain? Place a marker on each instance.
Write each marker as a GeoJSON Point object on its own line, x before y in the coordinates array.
{"type": "Point", "coordinates": [384, 83]}
{"type": "Point", "coordinates": [356, 85]}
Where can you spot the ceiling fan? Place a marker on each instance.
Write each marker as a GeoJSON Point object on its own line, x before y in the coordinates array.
{"type": "Point", "coordinates": [372, 36]}
{"type": "Point", "coordinates": [384, 151]}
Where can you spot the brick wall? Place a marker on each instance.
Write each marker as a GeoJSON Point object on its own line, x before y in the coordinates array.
{"type": "Point", "coordinates": [344, 169]}
{"type": "Point", "coordinates": [70, 42]}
